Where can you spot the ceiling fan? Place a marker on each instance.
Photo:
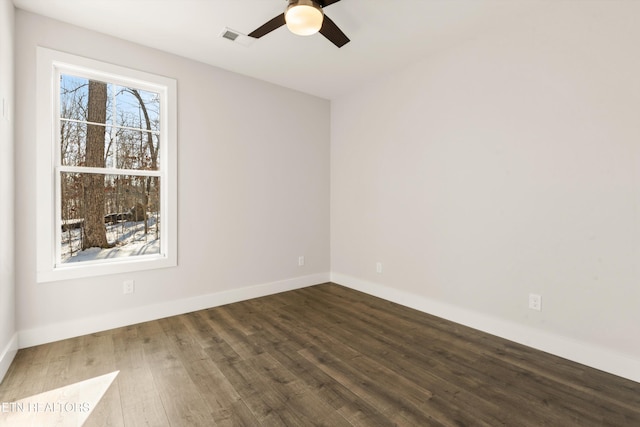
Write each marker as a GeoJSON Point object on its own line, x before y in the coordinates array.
{"type": "Point", "coordinates": [305, 17]}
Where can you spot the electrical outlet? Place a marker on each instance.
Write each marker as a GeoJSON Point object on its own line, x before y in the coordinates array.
{"type": "Point", "coordinates": [300, 261]}
{"type": "Point", "coordinates": [535, 302]}
{"type": "Point", "coordinates": [379, 267]}
{"type": "Point", "coordinates": [128, 287]}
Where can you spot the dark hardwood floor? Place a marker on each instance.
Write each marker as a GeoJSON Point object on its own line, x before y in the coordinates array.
{"type": "Point", "coordinates": [323, 355]}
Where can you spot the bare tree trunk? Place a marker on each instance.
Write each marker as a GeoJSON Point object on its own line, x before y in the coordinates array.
{"type": "Point", "coordinates": [95, 234]}
{"type": "Point", "coordinates": [154, 157]}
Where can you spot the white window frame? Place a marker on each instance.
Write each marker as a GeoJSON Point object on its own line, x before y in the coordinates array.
{"type": "Point", "coordinates": [51, 64]}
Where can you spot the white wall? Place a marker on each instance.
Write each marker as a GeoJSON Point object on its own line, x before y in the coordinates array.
{"type": "Point", "coordinates": [253, 178]}
{"type": "Point", "coordinates": [8, 337]}
{"type": "Point", "coordinates": [505, 166]}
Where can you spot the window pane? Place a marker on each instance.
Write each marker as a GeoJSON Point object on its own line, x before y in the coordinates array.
{"type": "Point", "coordinates": [127, 219]}
{"type": "Point", "coordinates": [137, 109]}
{"type": "Point", "coordinates": [134, 149]}
{"type": "Point", "coordinates": [132, 143]}
{"type": "Point", "coordinates": [73, 97]}
{"type": "Point", "coordinates": [73, 141]}
{"type": "Point", "coordinates": [73, 144]}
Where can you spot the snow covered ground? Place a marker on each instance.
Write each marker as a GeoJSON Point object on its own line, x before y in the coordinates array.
{"type": "Point", "coordinates": [128, 238]}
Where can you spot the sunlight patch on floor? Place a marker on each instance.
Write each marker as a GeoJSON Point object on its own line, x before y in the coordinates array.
{"type": "Point", "coordinates": [67, 406]}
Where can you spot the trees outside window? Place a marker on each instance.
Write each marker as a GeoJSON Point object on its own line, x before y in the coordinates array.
{"type": "Point", "coordinates": [107, 126]}
{"type": "Point", "coordinates": [111, 181]}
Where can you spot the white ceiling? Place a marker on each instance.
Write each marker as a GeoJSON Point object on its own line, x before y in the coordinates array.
{"type": "Point", "coordinates": [385, 34]}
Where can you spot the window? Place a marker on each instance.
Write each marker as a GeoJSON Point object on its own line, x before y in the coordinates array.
{"type": "Point", "coordinates": [106, 168]}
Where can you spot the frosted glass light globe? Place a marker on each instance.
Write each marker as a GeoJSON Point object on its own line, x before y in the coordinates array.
{"type": "Point", "coordinates": [304, 17]}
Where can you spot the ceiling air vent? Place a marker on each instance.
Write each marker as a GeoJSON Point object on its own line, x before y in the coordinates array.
{"type": "Point", "coordinates": [228, 34]}
{"type": "Point", "coordinates": [236, 36]}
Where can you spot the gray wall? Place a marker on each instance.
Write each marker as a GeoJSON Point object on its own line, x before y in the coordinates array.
{"type": "Point", "coordinates": [504, 166]}
{"type": "Point", "coordinates": [8, 337]}
{"type": "Point", "coordinates": [253, 192]}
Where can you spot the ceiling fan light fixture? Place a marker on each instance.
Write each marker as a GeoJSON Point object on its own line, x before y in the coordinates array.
{"type": "Point", "coordinates": [304, 17]}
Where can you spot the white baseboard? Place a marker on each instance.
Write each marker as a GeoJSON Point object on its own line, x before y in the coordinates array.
{"type": "Point", "coordinates": [7, 355]}
{"type": "Point", "coordinates": [78, 327]}
{"type": "Point", "coordinates": [577, 351]}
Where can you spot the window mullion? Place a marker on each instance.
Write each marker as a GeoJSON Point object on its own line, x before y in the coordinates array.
{"type": "Point", "coordinates": [115, 126]}
{"type": "Point", "coordinates": [58, 218]}
{"type": "Point", "coordinates": [108, 171]}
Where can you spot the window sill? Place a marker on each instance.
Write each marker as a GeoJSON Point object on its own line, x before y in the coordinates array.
{"type": "Point", "coordinates": [85, 269]}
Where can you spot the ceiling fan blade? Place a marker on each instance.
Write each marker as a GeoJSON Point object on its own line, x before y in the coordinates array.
{"type": "Point", "coordinates": [331, 31]}
{"type": "Point", "coordinates": [271, 25]}
{"type": "Point", "coordinates": [325, 3]}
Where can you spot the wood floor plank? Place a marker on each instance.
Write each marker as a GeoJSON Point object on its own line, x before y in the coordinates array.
{"type": "Point", "coordinates": [295, 392]}
{"type": "Point", "coordinates": [359, 341]}
{"type": "Point", "coordinates": [218, 392]}
{"type": "Point", "coordinates": [108, 412]}
{"type": "Point", "coordinates": [336, 395]}
{"type": "Point", "coordinates": [182, 402]}
{"type": "Point", "coordinates": [570, 405]}
{"type": "Point", "coordinates": [59, 370]}
{"type": "Point", "coordinates": [16, 385]}
{"type": "Point", "coordinates": [260, 396]}
{"type": "Point", "coordinates": [382, 396]}
{"type": "Point", "coordinates": [323, 355]}
{"type": "Point", "coordinates": [230, 331]}
{"type": "Point", "coordinates": [95, 357]}
{"type": "Point", "coordinates": [140, 400]}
